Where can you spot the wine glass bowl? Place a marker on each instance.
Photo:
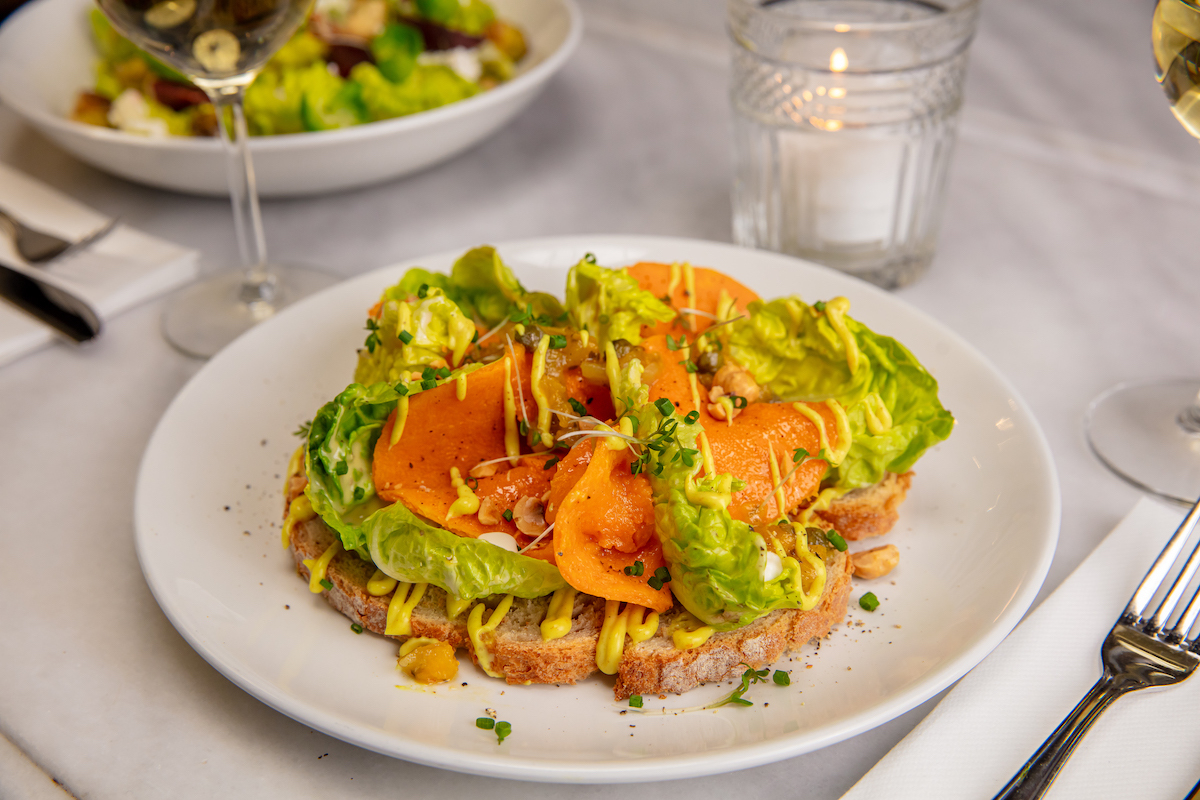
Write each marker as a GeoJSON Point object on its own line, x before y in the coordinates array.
{"type": "Point", "coordinates": [1149, 433]}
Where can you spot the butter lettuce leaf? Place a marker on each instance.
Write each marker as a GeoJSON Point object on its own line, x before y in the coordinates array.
{"type": "Point", "coordinates": [716, 562]}
{"type": "Point", "coordinates": [797, 352]}
{"type": "Point", "coordinates": [338, 458]}
{"type": "Point", "coordinates": [610, 304]}
{"type": "Point", "coordinates": [484, 287]}
{"type": "Point", "coordinates": [412, 334]}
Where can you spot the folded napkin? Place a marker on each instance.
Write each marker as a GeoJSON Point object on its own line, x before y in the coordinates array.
{"type": "Point", "coordinates": [121, 270]}
{"type": "Point", "coordinates": [1146, 746]}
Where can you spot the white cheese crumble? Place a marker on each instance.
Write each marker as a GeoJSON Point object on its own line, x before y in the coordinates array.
{"type": "Point", "coordinates": [463, 60]}
{"type": "Point", "coordinates": [131, 113]}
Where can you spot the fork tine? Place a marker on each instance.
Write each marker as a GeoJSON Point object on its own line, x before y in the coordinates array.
{"type": "Point", "coordinates": [1187, 620]}
{"type": "Point", "coordinates": [1162, 566]}
{"type": "Point", "coordinates": [1167, 606]}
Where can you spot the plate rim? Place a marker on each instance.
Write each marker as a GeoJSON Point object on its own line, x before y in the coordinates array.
{"type": "Point", "coordinates": [647, 769]}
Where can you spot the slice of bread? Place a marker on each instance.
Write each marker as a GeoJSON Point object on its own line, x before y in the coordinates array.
{"type": "Point", "coordinates": [869, 511]}
{"type": "Point", "coordinates": [518, 652]}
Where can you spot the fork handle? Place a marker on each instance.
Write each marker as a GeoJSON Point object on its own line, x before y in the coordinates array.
{"type": "Point", "coordinates": [1034, 779]}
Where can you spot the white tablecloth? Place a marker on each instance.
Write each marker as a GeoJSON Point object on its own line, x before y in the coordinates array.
{"type": "Point", "coordinates": [1068, 256]}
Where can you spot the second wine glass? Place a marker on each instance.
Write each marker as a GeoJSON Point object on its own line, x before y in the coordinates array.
{"type": "Point", "coordinates": [221, 45]}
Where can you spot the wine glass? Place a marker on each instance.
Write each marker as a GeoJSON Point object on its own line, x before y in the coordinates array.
{"type": "Point", "coordinates": [220, 45]}
{"type": "Point", "coordinates": [1149, 433]}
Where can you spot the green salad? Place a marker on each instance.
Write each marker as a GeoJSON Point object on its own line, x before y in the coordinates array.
{"type": "Point", "coordinates": [353, 61]}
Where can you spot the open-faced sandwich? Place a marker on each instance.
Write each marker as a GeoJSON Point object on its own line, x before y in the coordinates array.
{"type": "Point", "coordinates": [654, 479]}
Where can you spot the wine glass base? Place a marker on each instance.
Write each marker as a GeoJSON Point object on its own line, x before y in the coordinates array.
{"type": "Point", "coordinates": [202, 318]}
{"type": "Point", "coordinates": [1135, 429]}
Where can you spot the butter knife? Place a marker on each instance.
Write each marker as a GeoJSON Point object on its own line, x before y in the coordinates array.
{"type": "Point", "coordinates": [62, 310]}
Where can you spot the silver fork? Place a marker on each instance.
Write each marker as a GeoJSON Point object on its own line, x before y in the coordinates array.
{"type": "Point", "coordinates": [39, 247]}
{"type": "Point", "coordinates": [1139, 652]}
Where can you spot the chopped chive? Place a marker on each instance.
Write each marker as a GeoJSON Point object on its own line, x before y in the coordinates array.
{"type": "Point", "coordinates": [359, 493]}
{"type": "Point", "coordinates": [662, 574]}
{"type": "Point", "coordinates": [635, 569]}
{"type": "Point", "coordinates": [655, 583]}
{"type": "Point", "coordinates": [664, 406]}
{"type": "Point", "coordinates": [589, 258]}
{"type": "Point", "coordinates": [401, 388]}
{"type": "Point", "coordinates": [691, 418]}
{"type": "Point", "coordinates": [428, 373]}
{"type": "Point", "coordinates": [443, 373]}
{"type": "Point", "coordinates": [356, 627]}
{"type": "Point", "coordinates": [868, 602]}
{"type": "Point", "coordinates": [507, 514]}
{"type": "Point", "coordinates": [405, 337]}
{"type": "Point", "coordinates": [326, 583]}
{"type": "Point", "coordinates": [603, 319]}
{"type": "Point", "coordinates": [429, 384]}
{"type": "Point", "coordinates": [738, 401]}
{"type": "Point", "coordinates": [503, 729]}
{"type": "Point", "coordinates": [558, 342]}
{"type": "Point", "coordinates": [781, 678]}
{"type": "Point", "coordinates": [485, 723]}
{"type": "Point", "coordinates": [837, 541]}
{"type": "Point", "coordinates": [342, 468]}
{"type": "Point", "coordinates": [423, 290]}
{"type": "Point", "coordinates": [635, 701]}
{"type": "Point", "coordinates": [819, 305]}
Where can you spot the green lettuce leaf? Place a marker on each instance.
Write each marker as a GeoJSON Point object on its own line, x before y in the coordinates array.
{"type": "Point", "coordinates": [434, 326]}
{"type": "Point", "coordinates": [716, 562]}
{"type": "Point", "coordinates": [427, 86]}
{"type": "Point", "coordinates": [396, 50]}
{"type": "Point", "coordinates": [610, 305]}
{"type": "Point", "coordinates": [338, 456]}
{"type": "Point", "coordinates": [793, 349]}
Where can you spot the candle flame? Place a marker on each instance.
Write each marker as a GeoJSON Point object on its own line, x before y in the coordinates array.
{"type": "Point", "coordinates": [837, 92]}
{"type": "Point", "coordinates": [838, 61]}
{"type": "Point", "coordinates": [841, 27]}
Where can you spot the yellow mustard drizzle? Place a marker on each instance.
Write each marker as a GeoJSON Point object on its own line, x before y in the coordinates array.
{"type": "Point", "coordinates": [879, 419]}
{"type": "Point", "coordinates": [512, 435]}
{"type": "Point", "coordinates": [710, 466]}
{"type": "Point", "coordinates": [462, 331]}
{"type": "Point", "coordinates": [673, 283]}
{"type": "Point", "coordinates": [810, 598]}
{"type": "Point", "coordinates": [398, 424]}
{"type": "Point", "coordinates": [477, 629]}
{"type": "Point", "coordinates": [625, 426]}
{"type": "Point", "coordinates": [843, 429]}
{"type": "Point", "coordinates": [687, 631]}
{"type": "Point", "coordinates": [557, 623]}
{"type": "Point", "coordinates": [536, 374]}
{"type": "Point", "coordinates": [717, 499]}
{"type": "Point", "coordinates": [455, 606]}
{"type": "Point", "coordinates": [295, 464]}
{"type": "Point", "coordinates": [300, 510]}
{"type": "Point", "coordinates": [519, 328]}
{"type": "Point", "coordinates": [725, 307]}
{"type": "Point", "coordinates": [460, 387]}
{"type": "Point", "coordinates": [643, 623]}
{"type": "Point", "coordinates": [695, 387]}
{"type": "Point", "coordinates": [413, 643]}
{"type": "Point", "coordinates": [380, 583]}
{"type": "Point", "coordinates": [835, 312]}
{"type": "Point", "coordinates": [467, 503]}
{"type": "Point", "coordinates": [777, 480]}
{"type": "Point", "coordinates": [824, 498]}
{"type": "Point", "coordinates": [612, 368]}
{"type": "Point", "coordinates": [727, 404]}
{"type": "Point", "coordinates": [318, 567]}
{"type": "Point", "coordinates": [584, 337]}
{"type": "Point", "coordinates": [399, 613]}
{"type": "Point", "coordinates": [611, 644]}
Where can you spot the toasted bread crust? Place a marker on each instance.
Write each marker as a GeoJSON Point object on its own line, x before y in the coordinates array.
{"type": "Point", "coordinates": [657, 666]}
{"type": "Point", "coordinates": [869, 511]}
{"type": "Point", "coordinates": [518, 652]}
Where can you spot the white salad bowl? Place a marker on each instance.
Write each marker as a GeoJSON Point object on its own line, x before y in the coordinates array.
{"type": "Point", "coordinates": [47, 58]}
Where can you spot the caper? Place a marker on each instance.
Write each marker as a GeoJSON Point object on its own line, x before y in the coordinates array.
{"type": "Point", "coordinates": [530, 338]}
{"type": "Point", "coordinates": [707, 362]}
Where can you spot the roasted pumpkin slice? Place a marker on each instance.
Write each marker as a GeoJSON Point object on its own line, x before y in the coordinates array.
{"type": "Point", "coordinates": [603, 525]}
{"type": "Point", "coordinates": [442, 432]}
{"type": "Point", "coordinates": [709, 285]}
{"type": "Point", "coordinates": [760, 433]}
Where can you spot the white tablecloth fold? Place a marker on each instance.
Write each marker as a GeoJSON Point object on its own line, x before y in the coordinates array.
{"type": "Point", "coordinates": [1146, 746]}
{"type": "Point", "coordinates": [125, 268]}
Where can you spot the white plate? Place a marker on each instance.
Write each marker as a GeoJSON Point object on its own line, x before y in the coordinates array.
{"type": "Point", "coordinates": [47, 58]}
{"type": "Point", "coordinates": [976, 537]}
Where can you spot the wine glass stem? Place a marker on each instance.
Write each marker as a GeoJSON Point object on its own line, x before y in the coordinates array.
{"type": "Point", "coordinates": [258, 284]}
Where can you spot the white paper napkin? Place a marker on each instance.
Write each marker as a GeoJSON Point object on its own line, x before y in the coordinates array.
{"type": "Point", "coordinates": [1146, 746]}
{"type": "Point", "coordinates": [125, 268]}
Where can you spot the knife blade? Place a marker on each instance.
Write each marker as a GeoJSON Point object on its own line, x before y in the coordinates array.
{"type": "Point", "coordinates": [67, 313]}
